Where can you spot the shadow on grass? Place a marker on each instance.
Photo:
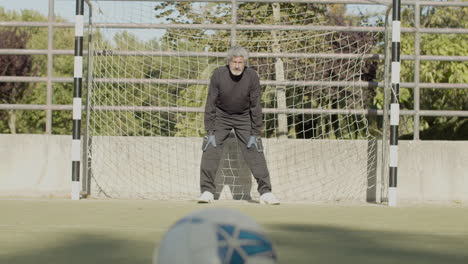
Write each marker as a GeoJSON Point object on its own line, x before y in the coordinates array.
{"type": "Point", "coordinates": [295, 244]}
{"type": "Point", "coordinates": [325, 244]}
{"type": "Point", "coordinates": [84, 248]}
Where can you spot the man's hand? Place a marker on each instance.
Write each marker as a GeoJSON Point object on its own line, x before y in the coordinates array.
{"type": "Point", "coordinates": [209, 139]}
{"type": "Point", "coordinates": [255, 141]}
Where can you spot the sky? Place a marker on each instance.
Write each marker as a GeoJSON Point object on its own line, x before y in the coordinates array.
{"type": "Point", "coordinates": [63, 8]}
{"type": "Point", "coordinates": [67, 9]}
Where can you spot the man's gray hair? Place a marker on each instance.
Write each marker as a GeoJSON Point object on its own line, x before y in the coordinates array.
{"type": "Point", "coordinates": [237, 51]}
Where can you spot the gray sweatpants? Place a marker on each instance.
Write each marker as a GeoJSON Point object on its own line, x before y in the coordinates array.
{"type": "Point", "coordinates": [212, 156]}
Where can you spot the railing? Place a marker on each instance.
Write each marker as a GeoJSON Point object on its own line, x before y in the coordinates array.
{"type": "Point", "coordinates": [416, 85]}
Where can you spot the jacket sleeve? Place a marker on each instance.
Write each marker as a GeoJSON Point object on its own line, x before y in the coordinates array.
{"type": "Point", "coordinates": [210, 106]}
{"type": "Point", "coordinates": [255, 105]}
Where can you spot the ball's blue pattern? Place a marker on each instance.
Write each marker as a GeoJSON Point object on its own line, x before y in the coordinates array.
{"type": "Point", "coordinates": [257, 244]}
{"type": "Point", "coordinates": [251, 243]}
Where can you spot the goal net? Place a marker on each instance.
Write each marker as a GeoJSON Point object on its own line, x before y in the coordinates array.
{"type": "Point", "coordinates": [151, 64]}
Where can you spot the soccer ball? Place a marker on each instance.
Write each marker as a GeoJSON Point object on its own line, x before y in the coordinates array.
{"type": "Point", "coordinates": [215, 236]}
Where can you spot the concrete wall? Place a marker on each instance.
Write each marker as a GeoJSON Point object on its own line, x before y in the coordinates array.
{"type": "Point", "coordinates": [35, 165]}
{"type": "Point", "coordinates": [433, 170]}
{"type": "Point", "coordinates": [167, 168]}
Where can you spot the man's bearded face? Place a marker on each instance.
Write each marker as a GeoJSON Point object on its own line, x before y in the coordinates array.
{"type": "Point", "coordinates": [237, 65]}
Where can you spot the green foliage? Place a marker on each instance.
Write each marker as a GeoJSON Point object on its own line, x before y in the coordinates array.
{"type": "Point", "coordinates": [268, 41]}
{"type": "Point", "coordinates": [34, 121]}
{"type": "Point", "coordinates": [14, 65]}
{"type": "Point", "coordinates": [106, 65]}
{"type": "Point", "coordinates": [434, 72]}
{"type": "Point", "coordinates": [191, 124]}
{"type": "Point", "coordinates": [437, 71]}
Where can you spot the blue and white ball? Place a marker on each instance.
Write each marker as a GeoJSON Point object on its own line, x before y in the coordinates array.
{"type": "Point", "coordinates": [215, 236]}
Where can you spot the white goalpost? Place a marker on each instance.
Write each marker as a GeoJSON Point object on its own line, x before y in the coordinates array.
{"type": "Point", "coordinates": [151, 62]}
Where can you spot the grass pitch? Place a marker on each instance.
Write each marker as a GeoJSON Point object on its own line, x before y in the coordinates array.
{"type": "Point", "coordinates": [48, 231]}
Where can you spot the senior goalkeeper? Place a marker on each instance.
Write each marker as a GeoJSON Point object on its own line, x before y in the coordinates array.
{"type": "Point", "coordinates": [233, 102]}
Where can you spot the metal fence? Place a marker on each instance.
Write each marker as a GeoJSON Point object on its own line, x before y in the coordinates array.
{"type": "Point", "coordinates": [417, 30]}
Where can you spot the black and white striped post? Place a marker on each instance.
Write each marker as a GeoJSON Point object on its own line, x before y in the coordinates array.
{"type": "Point", "coordinates": [394, 105]}
{"type": "Point", "coordinates": [78, 81]}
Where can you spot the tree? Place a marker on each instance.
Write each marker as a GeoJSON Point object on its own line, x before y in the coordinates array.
{"type": "Point", "coordinates": [256, 41]}
{"type": "Point", "coordinates": [357, 43]}
{"type": "Point", "coordinates": [14, 65]}
{"type": "Point", "coordinates": [34, 121]}
{"type": "Point", "coordinates": [438, 72]}
{"type": "Point", "coordinates": [32, 93]}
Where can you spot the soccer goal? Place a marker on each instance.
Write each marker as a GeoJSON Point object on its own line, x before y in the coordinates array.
{"type": "Point", "coordinates": [150, 67]}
